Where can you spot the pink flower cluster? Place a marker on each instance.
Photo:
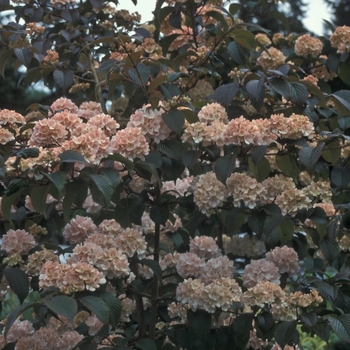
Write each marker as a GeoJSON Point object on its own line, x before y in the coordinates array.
{"type": "Point", "coordinates": [340, 39]}
{"type": "Point", "coordinates": [307, 45]}
{"type": "Point", "coordinates": [17, 242]}
{"type": "Point", "coordinates": [70, 278]}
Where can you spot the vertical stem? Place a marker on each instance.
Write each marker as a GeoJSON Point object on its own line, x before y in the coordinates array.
{"type": "Point", "coordinates": [139, 304]}
{"type": "Point", "coordinates": [98, 90]}
{"type": "Point", "coordinates": [155, 285]}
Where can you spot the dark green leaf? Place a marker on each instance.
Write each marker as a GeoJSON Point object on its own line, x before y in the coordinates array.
{"type": "Point", "coordinates": [62, 305]}
{"type": "Point", "coordinates": [153, 265]}
{"type": "Point", "coordinates": [242, 326]}
{"type": "Point", "coordinates": [265, 321]}
{"type": "Point", "coordinates": [309, 156]}
{"type": "Point", "coordinates": [285, 231]}
{"type": "Point", "coordinates": [115, 307]}
{"type": "Point", "coordinates": [199, 322]}
{"type": "Point", "coordinates": [309, 319]}
{"type": "Point", "coordinates": [331, 152]}
{"type": "Point", "coordinates": [58, 179]}
{"type": "Point", "coordinates": [71, 157]}
{"type": "Point", "coordinates": [8, 201]}
{"type": "Point", "coordinates": [72, 190]}
{"type": "Point", "coordinates": [101, 185]}
{"type": "Point", "coordinates": [97, 306]}
{"type": "Point", "coordinates": [175, 120]}
{"type": "Point", "coordinates": [160, 213]}
{"type": "Point", "coordinates": [260, 170]}
{"type": "Point", "coordinates": [340, 177]}
{"type": "Point", "coordinates": [136, 210]}
{"type": "Point", "coordinates": [329, 248]}
{"type": "Point", "coordinates": [298, 93]}
{"type": "Point", "coordinates": [341, 326]}
{"type": "Point", "coordinates": [185, 338]}
{"type": "Point", "coordinates": [288, 165]}
{"type": "Point", "coordinates": [344, 72]}
{"type": "Point", "coordinates": [285, 333]}
{"type": "Point", "coordinates": [24, 55]}
{"type": "Point", "coordinates": [119, 158]}
{"type": "Point", "coordinates": [38, 196]}
{"type": "Point", "coordinates": [146, 344]}
{"type": "Point", "coordinates": [224, 94]}
{"type": "Point", "coordinates": [280, 85]}
{"type": "Point", "coordinates": [4, 57]}
{"type": "Point", "coordinates": [224, 167]}
{"type": "Point", "coordinates": [190, 157]}
{"type": "Point", "coordinates": [18, 282]}
{"type": "Point", "coordinates": [256, 91]}
{"type": "Point", "coordinates": [28, 153]}
{"type": "Point", "coordinates": [237, 52]}
{"type": "Point", "coordinates": [64, 79]}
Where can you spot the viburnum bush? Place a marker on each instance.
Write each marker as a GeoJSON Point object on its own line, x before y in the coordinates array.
{"type": "Point", "coordinates": [190, 188]}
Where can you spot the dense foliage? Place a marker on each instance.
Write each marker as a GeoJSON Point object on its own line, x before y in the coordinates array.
{"type": "Point", "coordinates": [189, 189]}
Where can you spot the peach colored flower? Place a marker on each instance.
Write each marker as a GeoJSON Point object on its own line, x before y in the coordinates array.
{"type": "Point", "coordinates": [340, 39]}
{"type": "Point", "coordinates": [17, 242]}
{"type": "Point", "coordinates": [260, 270]}
{"type": "Point", "coordinates": [79, 229]}
{"type": "Point", "coordinates": [271, 59]}
{"type": "Point", "coordinates": [307, 45]}
{"type": "Point", "coordinates": [285, 258]}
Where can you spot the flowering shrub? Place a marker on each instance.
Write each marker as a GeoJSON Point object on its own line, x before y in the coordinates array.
{"type": "Point", "coordinates": [189, 189]}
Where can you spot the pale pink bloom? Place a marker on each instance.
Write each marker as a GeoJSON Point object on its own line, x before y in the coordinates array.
{"type": "Point", "coordinates": [290, 201]}
{"type": "Point", "coordinates": [260, 270]}
{"type": "Point", "coordinates": [17, 242]}
{"type": "Point", "coordinates": [285, 258]}
{"type": "Point", "coordinates": [94, 324]}
{"type": "Point", "coordinates": [10, 117]}
{"type": "Point", "coordinates": [216, 268]}
{"type": "Point", "coordinates": [151, 123]}
{"type": "Point", "coordinates": [6, 136]}
{"type": "Point", "coordinates": [89, 109]}
{"type": "Point", "coordinates": [189, 264]}
{"type": "Point", "coordinates": [209, 192]}
{"type": "Point", "coordinates": [205, 247]}
{"type": "Point", "coordinates": [48, 133]}
{"type": "Point", "coordinates": [130, 142]}
{"type": "Point", "coordinates": [190, 292]}
{"type": "Point", "coordinates": [213, 112]}
{"type": "Point", "coordinates": [307, 45]}
{"type": "Point", "coordinates": [70, 120]}
{"type": "Point", "coordinates": [37, 259]}
{"type": "Point", "coordinates": [69, 340]}
{"type": "Point", "coordinates": [79, 229]}
{"type": "Point", "coordinates": [110, 227]}
{"type": "Point", "coordinates": [62, 104]}
{"type": "Point", "coordinates": [19, 329]}
{"type": "Point", "coordinates": [91, 206]}
{"type": "Point", "coordinates": [340, 39]}
{"type": "Point", "coordinates": [104, 122]}
{"type": "Point", "coordinates": [178, 188]}
{"type": "Point", "coordinates": [271, 59]}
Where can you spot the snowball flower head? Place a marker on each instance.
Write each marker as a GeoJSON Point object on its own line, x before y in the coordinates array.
{"type": "Point", "coordinates": [213, 112]}
{"type": "Point", "coordinates": [307, 45]}
{"type": "Point", "coordinates": [271, 59]}
{"type": "Point", "coordinates": [340, 39]}
{"type": "Point", "coordinates": [205, 247]}
{"type": "Point", "coordinates": [260, 270]}
{"type": "Point", "coordinates": [285, 258]}
{"type": "Point", "coordinates": [78, 229]}
{"type": "Point", "coordinates": [209, 192]}
{"type": "Point", "coordinates": [17, 242]}
{"type": "Point", "coordinates": [131, 143]}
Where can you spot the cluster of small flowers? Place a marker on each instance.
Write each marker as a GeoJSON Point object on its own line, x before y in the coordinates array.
{"type": "Point", "coordinates": [33, 28]}
{"type": "Point", "coordinates": [79, 87]}
{"type": "Point", "coordinates": [340, 39]}
{"type": "Point", "coordinates": [17, 242]}
{"type": "Point", "coordinates": [151, 123]}
{"type": "Point", "coordinates": [290, 201]}
{"type": "Point", "coordinates": [201, 90]}
{"type": "Point", "coordinates": [37, 259]}
{"type": "Point", "coordinates": [178, 188]}
{"type": "Point", "coordinates": [307, 45]}
{"type": "Point", "coordinates": [70, 278]}
{"type": "Point", "coordinates": [219, 294]}
{"type": "Point", "coordinates": [51, 57]}
{"type": "Point", "coordinates": [278, 261]}
{"type": "Point", "coordinates": [271, 59]}
{"type": "Point", "coordinates": [209, 192]}
{"type": "Point", "coordinates": [263, 39]}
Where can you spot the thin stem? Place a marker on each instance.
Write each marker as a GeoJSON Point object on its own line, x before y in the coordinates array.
{"type": "Point", "coordinates": [155, 285]}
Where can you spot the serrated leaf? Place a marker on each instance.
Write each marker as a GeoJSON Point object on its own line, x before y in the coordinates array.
{"type": "Point", "coordinates": [329, 248]}
{"type": "Point", "coordinates": [136, 210]}
{"type": "Point", "coordinates": [8, 201]}
{"type": "Point", "coordinates": [72, 190]}
{"type": "Point", "coordinates": [58, 179]}
{"type": "Point", "coordinates": [119, 158]}
{"type": "Point", "coordinates": [159, 213]}
{"type": "Point", "coordinates": [256, 91]}
{"type": "Point", "coordinates": [309, 156]}
{"type": "Point", "coordinates": [224, 167]}
{"type": "Point", "coordinates": [175, 120]}
{"type": "Point", "coordinates": [190, 158]}
{"type": "Point", "coordinates": [103, 185]}
{"type": "Point", "coordinates": [18, 282]}
{"type": "Point", "coordinates": [285, 332]}
{"type": "Point", "coordinates": [288, 165]}
{"type": "Point", "coordinates": [340, 177]}
{"type": "Point", "coordinates": [331, 152]}
{"type": "Point", "coordinates": [71, 157]}
{"type": "Point", "coordinates": [242, 326]}
{"type": "Point", "coordinates": [4, 57]}
{"type": "Point", "coordinates": [24, 55]}
{"type": "Point", "coordinates": [146, 344]}
{"type": "Point", "coordinates": [28, 153]}
{"type": "Point", "coordinates": [265, 321]}
{"type": "Point", "coordinates": [280, 85]}
{"type": "Point", "coordinates": [62, 305]}
{"type": "Point", "coordinates": [224, 94]}
{"type": "Point", "coordinates": [144, 72]}
{"type": "Point", "coordinates": [153, 265]}
{"type": "Point", "coordinates": [341, 326]}
{"type": "Point", "coordinates": [115, 307]}
{"type": "Point", "coordinates": [237, 52]}
{"type": "Point", "coordinates": [298, 93]}
{"type": "Point", "coordinates": [309, 318]}
{"type": "Point", "coordinates": [64, 79]}
{"type": "Point", "coordinates": [97, 306]}
{"type": "Point", "coordinates": [199, 322]}
{"type": "Point", "coordinates": [285, 231]}
{"type": "Point", "coordinates": [260, 170]}
{"type": "Point", "coordinates": [38, 196]}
